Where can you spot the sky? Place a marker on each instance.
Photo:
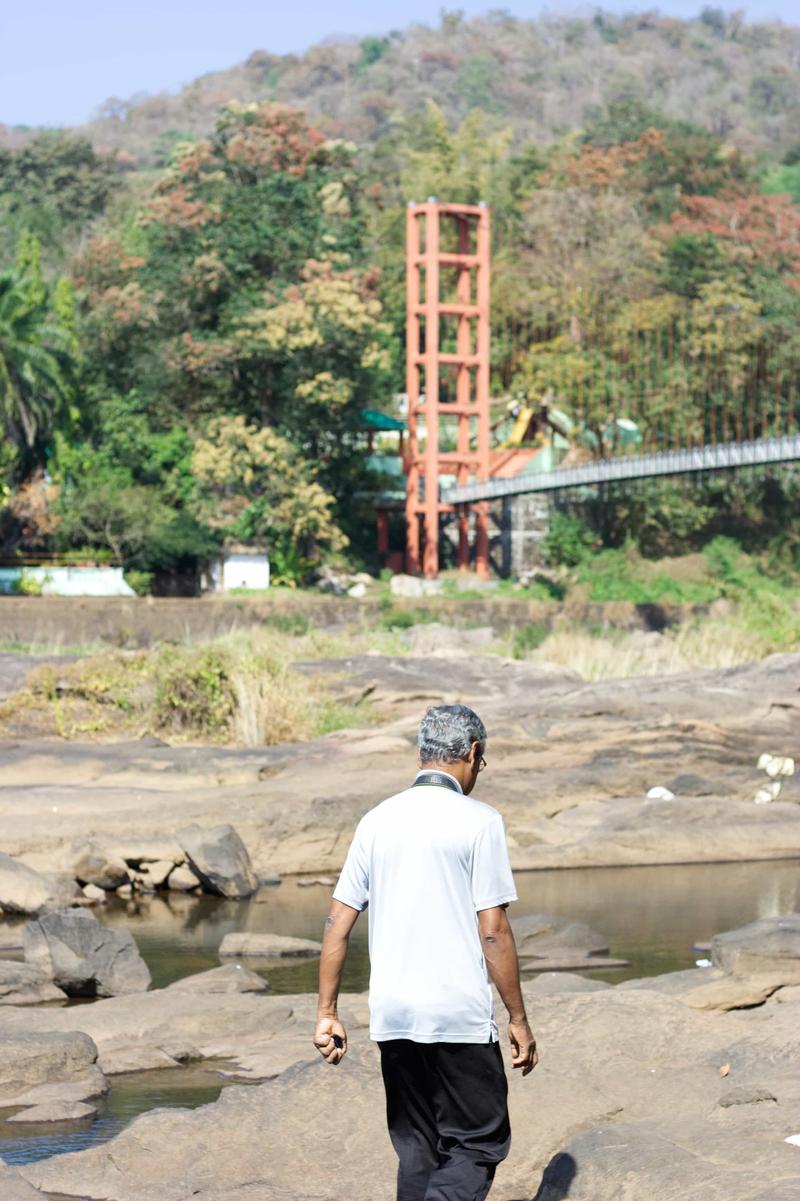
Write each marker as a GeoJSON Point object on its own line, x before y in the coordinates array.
{"type": "Point", "coordinates": [60, 59]}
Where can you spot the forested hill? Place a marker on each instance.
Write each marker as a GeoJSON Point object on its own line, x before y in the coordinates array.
{"type": "Point", "coordinates": [541, 78]}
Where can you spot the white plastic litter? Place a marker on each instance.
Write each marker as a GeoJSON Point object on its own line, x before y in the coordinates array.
{"type": "Point", "coordinates": [794, 1139]}
{"type": "Point", "coordinates": [660, 794]}
{"type": "Point", "coordinates": [767, 792]}
{"type": "Point", "coordinates": [776, 765]}
{"type": "Point", "coordinates": [703, 963]}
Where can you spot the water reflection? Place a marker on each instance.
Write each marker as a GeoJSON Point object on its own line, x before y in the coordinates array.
{"type": "Point", "coordinates": [651, 916]}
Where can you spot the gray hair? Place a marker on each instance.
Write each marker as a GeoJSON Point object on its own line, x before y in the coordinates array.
{"type": "Point", "coordinates": [447, 732]}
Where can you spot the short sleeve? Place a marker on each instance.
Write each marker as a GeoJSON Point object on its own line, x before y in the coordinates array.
{"type": "Point", "coordinates": [492, 881]}
{"type": "Point", "coordinates": [353, 886]}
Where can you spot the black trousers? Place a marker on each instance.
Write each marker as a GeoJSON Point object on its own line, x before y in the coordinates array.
{"type": "Point", "coordinates": [446, 1105]}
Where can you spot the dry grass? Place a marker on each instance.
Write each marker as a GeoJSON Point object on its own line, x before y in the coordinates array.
{"type": "Point", "coordinates": [707, 643]}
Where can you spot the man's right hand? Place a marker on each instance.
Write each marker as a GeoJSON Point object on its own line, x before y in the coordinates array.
{"type": "Point", "coordinates": [523, 1047]}
{"type": "Point", "coordinates": [330, 1039]}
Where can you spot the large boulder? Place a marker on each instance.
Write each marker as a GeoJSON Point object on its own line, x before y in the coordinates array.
{"type": "Point", "coordinates": [23, 890]}
{"type": "Point", "coordinates": [217, 855]}
{"type": "Point", "coordinates": [769, 948]}
{"type": "Point", "coordinates": [92, 863]}
{"type": "Point", "coordinates": [47, 1057]}
{"type": "Point", "coordinates": [24, 984]}
{"type": "Point", "coordinates": [83, 957]}
{"type": "Point", "coordinates": [546, 936]}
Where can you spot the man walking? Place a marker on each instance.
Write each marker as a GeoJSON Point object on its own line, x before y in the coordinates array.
{"type": "Point", "coordinates": [433, 867]}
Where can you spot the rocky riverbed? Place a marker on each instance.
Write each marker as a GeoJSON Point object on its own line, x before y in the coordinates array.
{"type": "Point", "coordinates": [571, 764]}
{"type": "Point", "coordinates": [681, 1087]}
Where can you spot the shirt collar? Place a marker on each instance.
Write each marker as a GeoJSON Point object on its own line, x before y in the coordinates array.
{"type": "Point", "coordinates": [439, 772]}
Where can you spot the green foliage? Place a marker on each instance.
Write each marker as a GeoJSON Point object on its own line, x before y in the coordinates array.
{"type": "Point", "coordinates": [194, 693]}
{"type": "Point", "coordinates": [54, 186]}
{"type": "Point", "coordinates": [527, 638]}
{"type": "Point", "coordinates": [691, 260]}
{"type": "Point", "coordinates": [35, 359]}
{"type": "Point", "coordinates": [783, 179]}
{"type": "Point", "coordinates": [372, 51]}
{"type": "Point", "coordinates": [294, 623]}
{"type": "Point", "coordinates": [140, 581]}
{"type": "Point", "coordinates": [28, 585]}
{"type": "Point", "coordinates": [568, 540]}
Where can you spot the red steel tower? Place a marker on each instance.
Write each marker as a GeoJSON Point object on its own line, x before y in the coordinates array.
{"type": "Point", "coordinates": [447, 374]}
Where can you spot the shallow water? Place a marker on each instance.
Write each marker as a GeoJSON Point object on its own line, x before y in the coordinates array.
{"type": "Point", "coordinates": [651, 916]}
{"type": "Point", "coordinates": [130, 1095]}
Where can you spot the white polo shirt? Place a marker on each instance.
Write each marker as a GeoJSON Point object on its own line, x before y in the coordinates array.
{"type": "Point", "coordinates": [427, 861]}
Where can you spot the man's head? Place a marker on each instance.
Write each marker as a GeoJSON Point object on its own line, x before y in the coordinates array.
{"type": "Point", "coordinates": [452, 738]}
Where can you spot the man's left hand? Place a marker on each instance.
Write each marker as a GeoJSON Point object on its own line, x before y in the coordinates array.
{"type": "Point", "coordinates": [330, 1039]}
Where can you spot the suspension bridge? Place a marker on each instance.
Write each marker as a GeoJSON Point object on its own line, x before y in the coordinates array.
{"type": "Point", "coordinates": [652, 391]}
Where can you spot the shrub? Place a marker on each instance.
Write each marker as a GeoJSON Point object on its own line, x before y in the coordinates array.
{"type": "Point", "coordinates": [194, 693]}
{"type": "Point", "coordinates": [568, 541]}
{"type": "Point", "coordinates": [140, 581]}
{"type": "Point", "coordinates": [527, 638]}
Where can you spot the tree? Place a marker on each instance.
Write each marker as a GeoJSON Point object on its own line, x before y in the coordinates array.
{"type": "Point", "coordinates": [54, 185]}
{"type": "Point", "coordinates": [35, 361]}
{"type": "Point", "coordinates": [253, 485]}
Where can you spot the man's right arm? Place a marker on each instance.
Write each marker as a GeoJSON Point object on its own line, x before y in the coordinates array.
{"type": "Point", "coordinates": [500, 953]}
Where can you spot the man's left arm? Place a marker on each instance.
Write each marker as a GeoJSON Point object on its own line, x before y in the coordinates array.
{"type": "Point", "coordinates": [330, 1037]}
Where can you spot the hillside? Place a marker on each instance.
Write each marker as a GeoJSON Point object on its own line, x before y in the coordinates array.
{"type": "Point", "coordinates": [540, 77]}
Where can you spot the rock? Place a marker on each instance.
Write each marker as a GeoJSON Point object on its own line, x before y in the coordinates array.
{"type": "Point", "coordinates": [636, 1074]}
{"type": "Point", "coordinates": [644, 1160]}
{"type": "Point", "coordinates": [83, 1089]}
{"type": "Point", "coordinates": [140, 851]}
{"type": "Point", "coordinates": [154, 875]}
{"type": "Point", "coordinates": [93, 893]}
{"type": "Point", "coordinates": [571, 765]}
{"type": "Point", "coordinates": [125, 891]}
{"type": "Point", "coordinates": [268, 946]}
{"type": "Point", "coordinates": [571, 963]}
{"type": "Point", "coordinates": [83, 957]}
{"type": "Point", "coordinates": [23, 984]}
{"type": "Point", "coordinates": [769, 947]}
{"type": "Point", "coordinates": [271, 1062]}
{"type": "Point", "coordinates": [323, 881]}
{"type": "Point", "coordinates": [14, 1187]}
{"type": "Point", "coordinates": [55, 1111]}
{"type": "Point", "coordinates": [90, 863]}
{"type": "Point", "coordinates": [183, 879]}
{"type": "Point", "coordinates": [136, 1057]}
{"type": "Point", "coordinates": [688, 783]}
{"type": "Point", "coordinates": [357, 591]}
{"type": "Point", "coordinates": [10, 938]}
{"type": "Point", "coordinates": [22, 890]}
{"type": "Point", "coordinates": [411, 586]}
{"type": "Point", "coordinates": [558, 982]}
{"type": "Point", "coordinates": [543, 935]}
{"type": "Point", "coordinates": [731, 992]}
{"type": "Point", "coordinates": [745, 1095]}
{"type": "Point", "coordinates": [230, 978]}
{"type": "Point", "coordinates": [219, 858]}
{"type": "Point", "coordinates": [45, 1057]}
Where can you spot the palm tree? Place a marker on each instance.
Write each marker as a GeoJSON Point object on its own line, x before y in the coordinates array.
{"type": "Point", "coordinates": [34, 362]}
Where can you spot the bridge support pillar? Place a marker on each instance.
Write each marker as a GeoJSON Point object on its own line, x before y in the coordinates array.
{"type": "Point", "coordinates": [524, 522]}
